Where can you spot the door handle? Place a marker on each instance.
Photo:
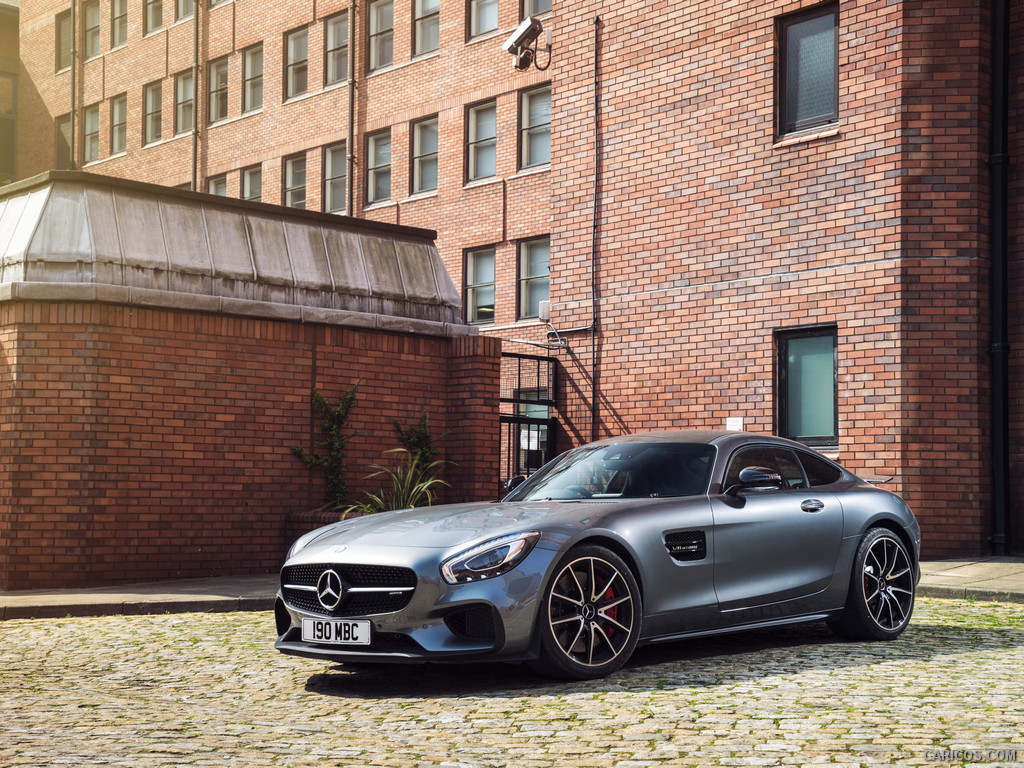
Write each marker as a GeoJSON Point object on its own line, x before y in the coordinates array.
{"type": "Point", "coordinates": [812, 505]}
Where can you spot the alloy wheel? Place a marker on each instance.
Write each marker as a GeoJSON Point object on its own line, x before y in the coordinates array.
{"type": "Point", "coordinates": [591, 611]}
{"type": "Point", "coordinates": [888, 583]}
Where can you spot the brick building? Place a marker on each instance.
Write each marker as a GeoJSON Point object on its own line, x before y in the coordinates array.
{"type": "Point", "coordinates": [159, 350]}
{"type": "Point", "coordinates": [782, 216]}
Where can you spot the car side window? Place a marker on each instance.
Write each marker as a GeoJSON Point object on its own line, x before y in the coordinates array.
{"type": "Point", "coordinates": [781, 460]}
{"type": "Point", "coordinates": [819, 472]}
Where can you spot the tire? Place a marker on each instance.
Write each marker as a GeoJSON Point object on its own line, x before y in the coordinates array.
{"type": "Point", "coordinates": [590, 616]}
{"type": "Point", "coordinates": [880, 601]}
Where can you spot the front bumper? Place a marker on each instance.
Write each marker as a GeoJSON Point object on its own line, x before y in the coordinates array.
{"type": "Point", "coordinates": [487, 619]}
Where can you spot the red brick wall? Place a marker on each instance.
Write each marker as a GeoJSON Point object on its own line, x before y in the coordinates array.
{"type": "Point", "coordinates": [146, 444]}
{"type": "Point", "coordinates": [713, 235]}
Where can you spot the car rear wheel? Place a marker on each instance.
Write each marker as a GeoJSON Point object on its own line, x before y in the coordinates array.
{"type": "Point", "coordinates": [881, 597]}
{"type": "Point", "coordinates": [590, 617]}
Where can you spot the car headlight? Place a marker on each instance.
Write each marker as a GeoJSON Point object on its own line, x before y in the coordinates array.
{"type": "Point", "coordinates": [492, 558]}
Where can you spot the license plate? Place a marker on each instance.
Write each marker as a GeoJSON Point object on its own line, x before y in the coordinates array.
{"type": "Point", "coordinates": [336, 632]}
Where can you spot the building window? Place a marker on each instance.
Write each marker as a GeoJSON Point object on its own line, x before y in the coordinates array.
{"type": "Point", "coordinates": [153, 16]}
{"type": "Point", "coordinates": [424, 155]}
{"type": "Point", "coordinates": [535, 7]}
{"type": "Point", "coordinates": [378, 177]}
{"type": "Point", "coordinates": [296, 74]}
{"type": "Point", "coordinates": [381, 33]}
{"type": "Point", "coordinates": [218, 90]}
{"type": "Point", "coordinates": [808, 75]}
{"type": "Point", "coordinates": [427, 27]}
{"type": "Point", "coordinates": [252, 183]}
{"type": "Point", "coordinates": [91, 28]}
{"type": "Point", "coordinates": [183, 9]}
{"type": "Point", "coordinates": [119, 124]}
{"type": "Point", "coordinates": [62, 142]}
{"type": "Point", "coordinates": [217, 185]}
{"type": "Point", "coordinates": [118, 23]}
{"type": "Point", "coordinates": [483, 140]}
{"type": "Point", "coordinates": [91, 134]}
{"type": "Point", "coordinates": [295, 181]}
{"type": "Point", "coordinates": [336, 49]}
{"type": "Point", "coordinates": [808, 374]}
{"type": "Point", "coordinates": [480, 286]}
{"type": "Point", "coordinates": [534, 258]}
{"type": "Point", "coordinates": [63, 42]}
{"type": "Point", "coordinates": [335, 178]}
{"type": "Point", "coordinates": [184, 102]}
{"type": "Point", "coordinates": [535, 119]}
{"type": "Point", "coordinates": [252, 86]}
{"type": "Point", "coordinates": [483, 16]}
{"type": "Point", "coordinates": [152, 96]}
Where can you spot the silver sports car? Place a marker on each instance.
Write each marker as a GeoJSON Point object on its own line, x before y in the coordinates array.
{"type": "Point", "coordinates": [639, 539]}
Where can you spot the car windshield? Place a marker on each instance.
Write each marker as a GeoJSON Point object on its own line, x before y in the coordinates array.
{"type": "Point", "coordinates": [623, 471]}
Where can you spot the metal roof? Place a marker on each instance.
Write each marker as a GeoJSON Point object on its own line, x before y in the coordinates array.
{"type": "Point", "coordinates": [76, 236]}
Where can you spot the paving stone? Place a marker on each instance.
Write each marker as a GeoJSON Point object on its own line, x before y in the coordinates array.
{"type": "Point", "coordinates": [208, 689]}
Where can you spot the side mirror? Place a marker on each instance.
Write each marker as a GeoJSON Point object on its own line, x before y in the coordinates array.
{"type": "Point", "coordinates": [514, 482]}
{"type": "Point", "coordinates": [756, 479]}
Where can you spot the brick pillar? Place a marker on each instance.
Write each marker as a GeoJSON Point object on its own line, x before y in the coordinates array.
{"type": "Point", "coordinates": [474, 371]}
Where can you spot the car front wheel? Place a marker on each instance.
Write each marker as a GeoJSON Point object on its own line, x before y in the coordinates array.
{"type": "Point", "coordinates": [591, 615]}
{"type": "Point", "coordinates": [881, 597]}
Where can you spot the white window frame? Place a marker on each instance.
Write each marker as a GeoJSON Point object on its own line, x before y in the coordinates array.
{"type": "Point", "coordinates": [381, 46]}
{"type": "Point", "coordinates": [426, 26]}
{"type": "Point", "coordinates": [424, 156]}
{"type": "Point", "coordinates": [530, 280]}
{"type": "Point", "coordinates": [218, 90]}
{"type": "Point", "coordinates": [532, 129]}
{"type": "Point", "coordinates": [335, 178]}
{"type": "Point", "coordinates": [296, 65]}
{"type": "Point", "coordinates": [184, 102]}
{"type": "Point", "coordinates": [475, 286]}
{"type": "Point", "coordinates": [293, 181]}
{"type": "Point", "coordinates": [336, 48]}
{"type": "Point", "coordinates": [479, 140]}
{"type": "Point", "coordinates": [378, 171]}
{"type": "Point", "coordinates": [91, 134]}
{"type": "Point", "coordinates": [252, 81]}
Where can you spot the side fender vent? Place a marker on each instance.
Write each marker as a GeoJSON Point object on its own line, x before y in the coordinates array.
{"type": "Point", "coordinates": [687, 546]}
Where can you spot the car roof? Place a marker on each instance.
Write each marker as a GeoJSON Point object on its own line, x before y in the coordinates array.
{"type": "Point", "coordinates": [717, 437]}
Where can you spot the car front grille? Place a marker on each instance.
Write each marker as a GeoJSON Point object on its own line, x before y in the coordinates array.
{"type": "Point", "coordinates": [367, 589]}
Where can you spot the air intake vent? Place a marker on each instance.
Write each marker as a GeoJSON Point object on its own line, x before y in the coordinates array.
{"type": "Point", "coordinates": [687, 546]}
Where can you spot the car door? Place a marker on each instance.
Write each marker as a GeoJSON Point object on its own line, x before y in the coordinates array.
{"type": "Point", "coordinates": [776, 544]}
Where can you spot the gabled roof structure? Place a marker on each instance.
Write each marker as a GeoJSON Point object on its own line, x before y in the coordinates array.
{"type": "Point", "coordinates": [73, 236]}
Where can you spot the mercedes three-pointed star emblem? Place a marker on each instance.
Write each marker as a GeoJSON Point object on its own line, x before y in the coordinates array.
{"type": "Point", "coordinates": [329, 590]}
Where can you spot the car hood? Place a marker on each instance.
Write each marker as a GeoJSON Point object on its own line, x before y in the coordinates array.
{"type": "Point", "coordinates": [451, 525]}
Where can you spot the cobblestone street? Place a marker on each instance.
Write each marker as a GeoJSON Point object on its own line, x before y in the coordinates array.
{"type": "Point", "coordinates": [209, 690]}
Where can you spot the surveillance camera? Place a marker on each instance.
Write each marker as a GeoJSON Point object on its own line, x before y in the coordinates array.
{"type": "Point", "coordinates": [525, 34]}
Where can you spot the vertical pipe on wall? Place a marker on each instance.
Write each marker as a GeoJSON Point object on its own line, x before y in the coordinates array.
{"type": "Point", "coordinates": [595, 412]}
{"type": "Point", "coordinates": [350, 153]}
{"type": "Point", "coordinates": [999, 348]}
{"type": "Point", "coordinates": [195, 95]}
{"type": "Point", "coordinates": [72, 143]}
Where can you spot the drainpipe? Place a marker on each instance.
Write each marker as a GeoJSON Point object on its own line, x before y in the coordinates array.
{"type": "Point", "coordinates": [74, 67]}
{"type": "Point", "coordinates": [1000, 347]}
{"type": "Point", "coordinates": [595, 414]}
{"type": "Point", "coordinates": [195, 95]}
{"type": "Point", "coordinates": [350, 152]}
